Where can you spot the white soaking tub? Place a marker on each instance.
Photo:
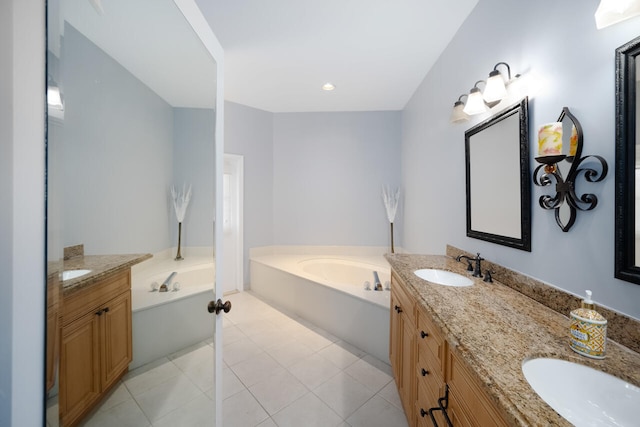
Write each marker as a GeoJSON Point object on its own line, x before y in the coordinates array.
{"type": "Point", "coordinates": [325, 285]}
{"type": "Point", "coordinates": [165, 322]}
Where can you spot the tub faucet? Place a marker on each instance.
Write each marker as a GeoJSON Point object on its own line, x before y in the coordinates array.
{"type": "Point", "coordinates": [477, 270]}
{"type": "Point", "coordinates": [377, 285]}
{"type": "Point", "coordinates": [165, 285]}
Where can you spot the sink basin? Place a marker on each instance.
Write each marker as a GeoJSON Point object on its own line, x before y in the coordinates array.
{"type": "Point", "coordinates": [582, 395]}
{"type": "Point", "coordinates": [442, 277]}
{"type": "Point", "coordinates": [73, 274]}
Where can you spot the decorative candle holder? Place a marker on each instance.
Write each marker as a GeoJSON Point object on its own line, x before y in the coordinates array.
{"type": "Point", "coordinates": [548, 172]}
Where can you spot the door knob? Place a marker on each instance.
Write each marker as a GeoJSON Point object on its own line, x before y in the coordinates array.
{"type": "Point", "coordinates": [218, 306]}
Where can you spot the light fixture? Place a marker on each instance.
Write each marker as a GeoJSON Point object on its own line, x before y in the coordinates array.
{"type": "Point", "coordinates": [458, 114]}
{"type": "Point", "coordinates": [475, 102]}
{"type": "Point", "coordinates": [54, 100]}
{"type": "Point", "coordinates": [495, 89]}
{"type": "Point", "coordinates": [611, 12]}
{"type": "Point", "coordinates": [328, 86]}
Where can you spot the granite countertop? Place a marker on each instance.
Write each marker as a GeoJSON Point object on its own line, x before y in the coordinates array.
{"type": "Point", "coordinates": [494, 328]}
{"type": "Point", "coordinates": [100, 266]}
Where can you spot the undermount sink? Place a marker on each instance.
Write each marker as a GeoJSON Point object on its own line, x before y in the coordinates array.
{"type": "Point", "coordinates": [73, 274]}
{"type": "Point", "coordinates": [583, 396]}
{"type": "Point", "coordinates": [443, 277]}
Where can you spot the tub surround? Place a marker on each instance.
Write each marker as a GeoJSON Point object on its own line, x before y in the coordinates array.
{"type": "Point", "coordinates": [493, 327]}
{"type": "Point", "coordinates": [347, 311]}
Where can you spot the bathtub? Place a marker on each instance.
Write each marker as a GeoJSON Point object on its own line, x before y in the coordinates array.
{"type": "Point", "coordinates": [326, 287]}
{"type": "Point", "coordinates": [165, 322]}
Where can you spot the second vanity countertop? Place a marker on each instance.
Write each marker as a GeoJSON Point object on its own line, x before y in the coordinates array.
{"type": "Point", "coordinates": [100, 266]}
{"type": "Point", "coordinates": [495, 328]}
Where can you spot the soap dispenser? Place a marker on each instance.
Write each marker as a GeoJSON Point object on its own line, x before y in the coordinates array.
{"type": "Point", "coordinates": [588, 332]}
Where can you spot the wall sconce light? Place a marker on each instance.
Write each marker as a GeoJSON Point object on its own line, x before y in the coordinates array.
{"type": "Point", "coordinates": [495, 89]}
{"type": "Point", "coordinates": [552, 143]}
{"type": "Point", "coordinates": [611, 12]}
{"type": "Point", "coordinates": [479, 102]}
{"type": "Point", "coordinates": [475, 101]}
{"type": "Point", "coordinates": [458, 114]}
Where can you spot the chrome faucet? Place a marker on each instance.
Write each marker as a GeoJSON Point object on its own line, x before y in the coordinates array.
{"type": "Point", "coordinates": [165, 285]}
{"type": "Point", "coordinates": [477, 270]}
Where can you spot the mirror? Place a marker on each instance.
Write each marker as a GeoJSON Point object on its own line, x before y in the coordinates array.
{"type": "Point", "coordinates": [498, 189]}
{"type": "Point", "coordinates": [627, 220]}
{"type": "Point", "coordinates": [136, 113]}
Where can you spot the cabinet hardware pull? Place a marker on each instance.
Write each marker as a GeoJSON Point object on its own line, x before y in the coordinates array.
{"type": "Point", "coordinates": [443, 403]}
{"type": "Point", "coordinates": [423, 334]}
{"type": "Point", "coordinates": [398, 309]}
{"type": "Point", "coordinates": [106, 309]}
{"type": "Point", "coordinates": [424, 372]}
{"type": "Point", "coordinates": [423, 413]}
{"type": "Point", "coordinates": [99, 313]}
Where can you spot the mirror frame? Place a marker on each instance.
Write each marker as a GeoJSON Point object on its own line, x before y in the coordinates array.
{"type": "Point", "coordinates": [524, 242]}
{"type": "Point", "coordinates": [626, 128]}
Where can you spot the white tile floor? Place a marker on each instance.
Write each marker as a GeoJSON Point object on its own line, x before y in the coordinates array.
{"type": "Point", "coordinates": [278, 371]}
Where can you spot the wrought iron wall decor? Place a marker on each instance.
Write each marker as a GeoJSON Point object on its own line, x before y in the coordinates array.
{"type": "Point", "coordinates": [549, 172]}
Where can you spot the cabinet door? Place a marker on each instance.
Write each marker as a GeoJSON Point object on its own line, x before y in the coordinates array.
{"type": "Point", "coordinates": [116, 338]}
{"type": "Point", "coordinates": [407, 366]}
{"type": "Point", "coordinates": [79, 367]}
{"type": "Point", "coordinates": [394, 334]}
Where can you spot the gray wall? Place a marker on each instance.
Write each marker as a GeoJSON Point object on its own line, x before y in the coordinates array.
{"type": "Point", "coordinates": [193, 163]}
{"type": "Point", "coordinates": [569, 63]}
{"type": "Point", "coordinates": [118, 137]}
{"type": "Point", "coordinates": [329, 169]}
{"type": "Point", "coordinates": [249, 132]}
{"type": "Point", "coordinates": [22, 218]}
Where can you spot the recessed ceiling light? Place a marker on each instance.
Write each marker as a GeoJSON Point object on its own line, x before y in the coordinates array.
{"type": "Point", "coordinates": [328, 86]}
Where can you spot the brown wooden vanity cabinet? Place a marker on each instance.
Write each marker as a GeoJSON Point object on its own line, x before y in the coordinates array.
{"type": "Point", "coordinates": [96, 346]}
{"type": "Point", "coordinates": [423, 375]}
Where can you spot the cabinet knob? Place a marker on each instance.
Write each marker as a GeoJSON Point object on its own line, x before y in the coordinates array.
{"type": "Point", "coordinates": [424, 372]}
{"type": "Point", "coordinates": [106, 309]}
{"type": "Point", "coordinates": [99, 313]}
{"type": "Point", "coordinates": [423, 334]}
{"type": "Point", "coordinates": [423, 413]}
{"type": "Point", "coordinates": [398, 309]}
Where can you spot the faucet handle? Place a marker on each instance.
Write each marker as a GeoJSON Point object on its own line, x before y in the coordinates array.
{"type": "Point", "coordinates": [487, 276]}
{"type": "Point", "coordinates": [469, 266]}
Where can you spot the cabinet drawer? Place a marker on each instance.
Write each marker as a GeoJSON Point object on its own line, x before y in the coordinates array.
{"type": "Point", "coordinates": [403, 302]}
{"type": "Point", "coordinates": [428, 372]}
{"type": "Point", "coordinates": [431, 345]}
{"type": "Point", "coordinates": [90, 298]}
{"type": "Point", "coordinates": [426, 400]}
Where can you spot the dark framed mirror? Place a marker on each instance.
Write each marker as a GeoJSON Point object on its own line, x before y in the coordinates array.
{"type": "Point", "coordinates": [497, 176]}
{"type": "Point", "coordinates": [627, 221]}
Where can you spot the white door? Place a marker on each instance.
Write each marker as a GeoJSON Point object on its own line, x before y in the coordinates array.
{"type": "Point", "coordinates": [232, 223]}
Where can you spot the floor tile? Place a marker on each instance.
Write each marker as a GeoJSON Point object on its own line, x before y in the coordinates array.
{"type": "Point", "coordinates": [267, 423]}
{"type": "Point", "coordinates": [290, 353]}
{"type": "Point", "coordinates": [164, 398]}
{"type": "Point", "coordinates": [256, 369]}
{"type": "Point", "coordinates": [377, 412]}
{"type": "Point", "coordinates": [313, 370]}
{"type": "Point", "coordinates": [308, 411]}
{"type": "Point", "coordinates": [390, 394]}
{"type": "Point", "coordinates": [338, 355]}
{"type": "Point", "coordinates": [343, 394]}
{"type": "Point", "coordinates": [312, 339]}
{"type": "Point", "coordinates": [231, 334]}
{"type": "Point", "coordinates": [278, 391]}
{"type": "Point", "coordinates": [368, 375]}
{"type": "Point", "coordinates": [239, 351]}
{"type": "Point", "coordinates": [125, 414]}
{"type": "Point", "coordinates": [242, 410]}
{"type": "Point", "coordinates": [150, 375]}
{"type": "Point", "coordinates": [199, 412]}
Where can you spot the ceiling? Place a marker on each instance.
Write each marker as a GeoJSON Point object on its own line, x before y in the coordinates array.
{"type": "Point", "coordinates": [150, 38]}
{"type": "Point", "coordinates": [279, 53]}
